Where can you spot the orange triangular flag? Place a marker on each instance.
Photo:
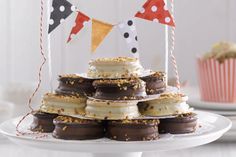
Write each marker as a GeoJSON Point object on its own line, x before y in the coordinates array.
{"type": "Point", "coordinates": [99, 32]}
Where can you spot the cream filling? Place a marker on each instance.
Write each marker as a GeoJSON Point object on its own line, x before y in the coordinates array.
{"type": "Point", "coordinates": [164, 109]}
{"type": "Point", "coordinates": [115, 70]}
{"type": "Point", "coordinates": [112, 111]}
{"type": "Point", "coordinates": [64, 108]}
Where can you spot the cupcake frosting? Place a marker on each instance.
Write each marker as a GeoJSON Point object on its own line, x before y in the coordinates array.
{"type": "Point", "coordinates": [221, 51]}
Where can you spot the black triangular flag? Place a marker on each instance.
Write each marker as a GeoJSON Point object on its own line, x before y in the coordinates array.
{"type": "Point", "coordinates": [60, 10]}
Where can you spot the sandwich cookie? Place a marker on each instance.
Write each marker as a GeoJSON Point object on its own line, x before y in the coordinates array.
{"type": "Point", "coordinates": [43, 122]}
{"type": "Point", "coordinates": [155, 83]}
{"type": "Point", "coordinates": [63, 104]}
{"type": "Point", "coordinates": [76, 85]}
{"type": "Point", "coordinates": [70, 128]}
{"type": "Point", "coordinates": [120, 89]}
{"type": "Point", "coordinates": [133, 130]}
{"type": "Point", "coordinates": [119, 67]}
{"type": "Point", "coordinates": [111, 110]}
{"type": "Point", "coordinates": [182, 124]}
{"type": "Point", "coordinates": [166, 105]}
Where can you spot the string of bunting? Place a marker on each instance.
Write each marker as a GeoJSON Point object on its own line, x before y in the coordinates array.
{"type": "Point", "coordinates": [152, 10]}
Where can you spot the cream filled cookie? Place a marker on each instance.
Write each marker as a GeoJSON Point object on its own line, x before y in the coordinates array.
{"type": "Point", "coordinates": [120, 67]}
{"type": "Point", "coordinates": [155, 83]}
{"type": "Point", "coordinates": [165, 105]}
{"type": "Point", "coordinates": [74, 84]}
{"type": "Point", "coordinates": [133, 130]}
{"type": "Point", "coordinates": [70, 128]}
{"type": "Point", "coordinates": [63, 105]}
{"type": "Point", "coordinates": [111, 110]}
{"type": "Point", "coordinates": [182, 124]}
{"type": "Point", "coordinates": [43, 122]}
{"type": "Point", "coordinates": [120, 89]}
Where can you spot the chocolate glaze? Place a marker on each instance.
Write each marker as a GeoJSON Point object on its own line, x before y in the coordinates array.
{"type": "Point", "coordinates": [182, 124]}
{"type": "Point", "coordinates": [134, 130]}
{"type": "Point", "coordinates": [71, 85]}
{"type": "Point", "coordinates": [116, 91]}
{"type": "Point", "coordinates": [43, 122]}
{"type": "Point", "coordinates": [155, 83]}
{"type": "Point", "coordinates": [77, 129]}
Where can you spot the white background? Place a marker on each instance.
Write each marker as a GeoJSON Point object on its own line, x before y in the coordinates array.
{"type": "Point", "coordinates": [200, 23]}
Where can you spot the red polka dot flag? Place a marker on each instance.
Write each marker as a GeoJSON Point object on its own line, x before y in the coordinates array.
{"type": "Point", "coordinates": [155, 10]}
{"type": "Point", "coordinates": [80, 21]}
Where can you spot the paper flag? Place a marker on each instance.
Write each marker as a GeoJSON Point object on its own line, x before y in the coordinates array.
{"type": "Point", "coordinates": [129, 34]}
{"type": "Point", "coordinates": [60, 10]}
{"type": "Point", "coordinates": [99, 31]}
{"type": "Point", "coordinates": [80, 22]}
{"type": "Point", "coordinates": [155, 10]}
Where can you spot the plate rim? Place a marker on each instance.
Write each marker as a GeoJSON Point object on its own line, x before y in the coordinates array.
{"type": "Point", "coordinates": [215, 133]}
{"type": "Point", "coordinates": [195, 101]}
{"type": "Point", "coordinates": [83, 141]}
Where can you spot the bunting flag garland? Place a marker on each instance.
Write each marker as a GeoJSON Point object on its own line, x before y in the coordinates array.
{"type": "Point", "coordinates": [129, 34]}
{"type": "Point", "coordinates": [60, 10]}
{"type": "Point", "coordinates": [155, 10]}
{"type": "Point", "coordinates": [80, 22]}
{"type": "Point", "coordinates": [99, 31]}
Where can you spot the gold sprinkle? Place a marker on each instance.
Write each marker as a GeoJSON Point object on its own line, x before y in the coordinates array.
{"type": "Point", "coordinates": [64, 128]}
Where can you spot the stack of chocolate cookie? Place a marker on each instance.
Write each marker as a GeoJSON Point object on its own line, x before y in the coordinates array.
{"type": "Point", "coordinates": [69, 99]}
{"type": "Point", "coordinates": [110, 102]}
{"type": "Point", "coordinates": [118, 91]}
{"type": "Point", "coordinates": [180, 119]}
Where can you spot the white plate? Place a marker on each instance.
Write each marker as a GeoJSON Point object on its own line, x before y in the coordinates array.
{"type": "Point", "coordinates": [212, 127]}
{"type": "Point", "coordinates": [220, 112]}
{"type": "Point", "coordinates": [197, 103]}
{"type": "Point", "coordinates": [144, 73]}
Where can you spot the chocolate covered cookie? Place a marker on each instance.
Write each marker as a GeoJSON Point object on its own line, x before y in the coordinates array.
{"type": "Point", "coordinates": [155, 83]}
{"type": "Point", "coordinates": [43, 122]}
{"type": "Point", "coordinates": [133, 130]}
{"type": "Point", "coordinates": [120, 89]}
{"type": "Point", "coordinates": [74, 84]}
{"type": "Point", "coordinates": [184, 123]}
{"type": "Point", "coordinates": [70, 128]}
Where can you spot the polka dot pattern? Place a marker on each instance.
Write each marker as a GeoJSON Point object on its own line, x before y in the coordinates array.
{"type": "Point", "coordinates": [60, 10]}
{"type": "Point", "coordinates": [62, 20]}
{"type": "Point", "coordinates": [80, 21]}
{"type": "Point", "coordinates": [129, 33]}
{"type": "Point", "coordinates": [156, 10]}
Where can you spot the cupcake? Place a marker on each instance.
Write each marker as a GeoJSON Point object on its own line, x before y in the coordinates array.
{"type": "Point", "coordinates": [217, 73]}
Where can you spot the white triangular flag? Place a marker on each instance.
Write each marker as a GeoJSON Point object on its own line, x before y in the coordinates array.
{"type": "Point", "coordinates": [129, 34]}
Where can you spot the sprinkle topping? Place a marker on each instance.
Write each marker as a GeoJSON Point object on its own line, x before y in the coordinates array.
{"type": "Point", "coordinates": [114, 60]}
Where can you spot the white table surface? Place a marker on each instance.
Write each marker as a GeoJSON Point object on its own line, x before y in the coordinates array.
{"type": "Point", "coordinates": [216, 149]}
